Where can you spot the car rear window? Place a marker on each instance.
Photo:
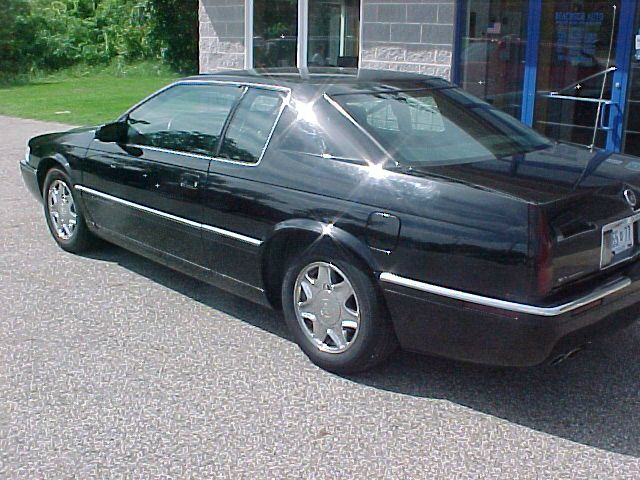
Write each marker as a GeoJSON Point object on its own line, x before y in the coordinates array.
{"type": "Point", "coordinates": [438, 126]}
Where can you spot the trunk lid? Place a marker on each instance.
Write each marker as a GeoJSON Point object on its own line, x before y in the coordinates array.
{"type": "Point", "coordinates": [579, 195]}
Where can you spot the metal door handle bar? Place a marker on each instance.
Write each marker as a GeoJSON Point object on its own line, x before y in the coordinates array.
{"type": "Point", "coordinates": [578, 99]}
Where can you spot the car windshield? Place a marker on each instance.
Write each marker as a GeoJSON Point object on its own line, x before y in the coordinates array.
{"type": "Point", "coordinates": [440, 126]}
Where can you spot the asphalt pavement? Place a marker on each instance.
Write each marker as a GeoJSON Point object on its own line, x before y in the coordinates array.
{"type": "Point", "coordinates": [112, 366]}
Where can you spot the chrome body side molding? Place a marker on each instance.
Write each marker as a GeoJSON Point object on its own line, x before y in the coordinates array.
{"type": "Point", "coordinates": [555, 311]}
{"type": "Point", "coordinates": [185, 221]}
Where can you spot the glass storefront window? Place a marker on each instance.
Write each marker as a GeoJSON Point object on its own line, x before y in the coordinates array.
{"type": "Point", "coordinates": [275, 33]}
{"type": "Point", "coordinates": [631, 135]}
{"type": "Point", "coordinates": [575, 43]}
{"type": "Point", "coordinates": [492, 53]}
{"type": "Point", "coordinates": [334, 27]}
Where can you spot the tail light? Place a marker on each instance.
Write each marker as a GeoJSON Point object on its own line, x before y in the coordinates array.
{"type": "Point", "coordinates": [540, 235]}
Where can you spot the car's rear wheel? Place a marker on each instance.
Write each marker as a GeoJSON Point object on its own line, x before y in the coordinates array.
{"type": "Point", "coordinates": [334, 310]}
{"type": "Point", "coordinates": [64, 218]}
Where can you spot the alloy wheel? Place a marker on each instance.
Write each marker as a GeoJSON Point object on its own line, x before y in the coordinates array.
{"type": "Point", "coordinates": [326, 307]}
{"type": "Point", "coordinates": [62, 210]}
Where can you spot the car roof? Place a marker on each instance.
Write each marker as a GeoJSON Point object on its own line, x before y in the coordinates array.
{"type": "Point", "coordinates": [328, 80]}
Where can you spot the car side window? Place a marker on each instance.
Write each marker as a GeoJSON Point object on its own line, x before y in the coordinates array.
{"type": "Point", "coordinates": [251, 125]}
{"type": "Point", "coordinates": [322, 132]}
{"type": "Point", "coordinates": [302, 136]}
{"type": "Point", "coordinates": [185, 118]}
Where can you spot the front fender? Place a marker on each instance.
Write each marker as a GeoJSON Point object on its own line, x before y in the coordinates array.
{"type": "Point", "coordinates": [53, 159]}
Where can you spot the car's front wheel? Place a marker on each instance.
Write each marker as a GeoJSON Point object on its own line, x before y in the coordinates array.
{"type": "Point", "coordinates": [335, 313]}
{"type": "Point", "coordinates": [64, 218]}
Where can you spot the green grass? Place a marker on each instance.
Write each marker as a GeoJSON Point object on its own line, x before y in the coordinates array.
{"type": "Point", "coordinates": [83, 95]}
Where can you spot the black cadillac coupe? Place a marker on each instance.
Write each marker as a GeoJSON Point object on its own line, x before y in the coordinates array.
{"type": "Point", "coordinates": [373, 208]}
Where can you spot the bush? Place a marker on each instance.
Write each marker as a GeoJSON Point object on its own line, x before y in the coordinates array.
{"type": "Point", "coordinates": [175, 32]}
{"type": "Point", "coordinates": [49, 35]}
{"type": "Point", "coordinates": [11, 55]}
{"type": "Point", "coordinates": [56, 34]}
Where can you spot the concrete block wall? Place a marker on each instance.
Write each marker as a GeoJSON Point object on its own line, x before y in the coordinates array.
{"type": "Point", "coordinates": [221, 35]}
{"type": "Point", "coordinates": [412, 36]}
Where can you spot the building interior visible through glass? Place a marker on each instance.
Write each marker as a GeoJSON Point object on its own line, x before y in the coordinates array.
{"type": "Point", "coordinates": [275, 33]}
{"type": "Point", "coordinates": [576, 50]}
{"type": "Point", "coordinates": [577, 46]}
{"type": "Point", "coordinates": [631, 135]}
{"type": "Point", "coordinates": [493, 52]}
{"type": "Point", "coordinates": [333, 33]}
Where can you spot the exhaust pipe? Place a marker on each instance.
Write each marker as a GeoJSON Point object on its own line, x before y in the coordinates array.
{"type": "Point", "coordinates": [567, 355]}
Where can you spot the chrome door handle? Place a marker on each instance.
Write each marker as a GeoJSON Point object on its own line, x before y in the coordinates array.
{"type": "Point", "coordinates": [606, 112]}
{"type": "Point", "coordinates": [189, 181]}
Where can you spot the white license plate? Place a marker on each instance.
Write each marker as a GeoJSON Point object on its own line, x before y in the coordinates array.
{"type": "Point", "coordinates": [621, 238]}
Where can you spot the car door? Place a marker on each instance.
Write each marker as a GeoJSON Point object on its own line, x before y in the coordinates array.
{"type": "Point", "coordinates": [234, 201]}
{"type": "Point", "coordinates": [149, 190]}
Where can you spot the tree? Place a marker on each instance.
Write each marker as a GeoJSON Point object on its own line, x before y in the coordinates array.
{"type": "Point", "coordinates": [175, 32]}
{"type": "Point", "coordinates": [11, 57]}
{"type": "Point", "coordinates": [49, 35]}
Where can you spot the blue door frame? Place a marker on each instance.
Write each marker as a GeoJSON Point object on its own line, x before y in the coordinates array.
{"type": "Point", "coordinates": [614, 114]}
{"type": "Point", "coordinates": [531, 62]}
{"type": "Point", "coordinates": [619, 95]}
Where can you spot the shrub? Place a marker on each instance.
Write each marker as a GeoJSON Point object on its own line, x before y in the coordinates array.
{"type": "Point", "coordinates": [49, 35]}
{"type": "Point", "coordinates": [175, 32]}
{"type": "Point", "coordinates": [11, 55]}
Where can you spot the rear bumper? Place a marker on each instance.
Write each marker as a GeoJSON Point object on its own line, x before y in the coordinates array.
{"type": "Point", "coordinates": [30, 178]}
{"type": "Point", "coordinates": [466, 327]}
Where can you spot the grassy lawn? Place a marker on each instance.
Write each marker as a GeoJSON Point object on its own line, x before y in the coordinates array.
{"type": "Point", "coordinates": [82, 97]}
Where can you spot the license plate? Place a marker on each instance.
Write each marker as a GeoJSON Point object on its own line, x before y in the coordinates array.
{"type": "Point", "coordinates": [621, 238]}
{"type": "Point", "coordinates": [618, 240]}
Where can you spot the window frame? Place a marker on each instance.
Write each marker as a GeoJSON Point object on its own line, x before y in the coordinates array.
{"type": "Point", "coordinates": [284, 101]}
{"type": "Point", "coordinates": [245, 85]}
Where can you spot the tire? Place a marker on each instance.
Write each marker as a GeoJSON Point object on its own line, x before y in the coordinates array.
{"type": "Point", "coordinates": [61, 209]}
{"type": "Point", "coordinates": [357, 349]}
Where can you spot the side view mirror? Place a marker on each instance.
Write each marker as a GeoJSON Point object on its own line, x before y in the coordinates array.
{"type": "Point", "coordinates": [113, 132]}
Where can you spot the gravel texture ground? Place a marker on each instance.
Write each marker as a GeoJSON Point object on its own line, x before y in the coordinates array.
{"type": "Point", "coordinates": [113, 366]}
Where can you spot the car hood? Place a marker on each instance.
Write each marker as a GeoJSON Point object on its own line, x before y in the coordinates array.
{"type": "Point", "coordinates": [76, 137]}
{"type": "Point", "coordinates": [559, 172]}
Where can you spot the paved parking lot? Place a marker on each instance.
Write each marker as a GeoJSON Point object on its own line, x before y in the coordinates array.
{"type": "Point", "coordinates": [113, 366]}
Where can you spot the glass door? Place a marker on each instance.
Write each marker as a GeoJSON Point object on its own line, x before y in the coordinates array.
{"type": "Point", "coordinates": [575, 71]}
{"type": "Point", "coordinates": [631, 132]}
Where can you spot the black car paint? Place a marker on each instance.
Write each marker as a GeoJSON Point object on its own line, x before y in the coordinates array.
{"type": "Point", "coordinates": [466, 227]}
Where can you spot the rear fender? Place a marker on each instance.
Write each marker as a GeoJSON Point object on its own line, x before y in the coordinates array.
{"type": "Point", "coordinates": [293, 237]}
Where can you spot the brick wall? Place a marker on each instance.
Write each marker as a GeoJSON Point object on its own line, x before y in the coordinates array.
{"type": "Point", "coordinates": [221, 35]}
{"type": "Point", "coordinates": [413, 36]}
